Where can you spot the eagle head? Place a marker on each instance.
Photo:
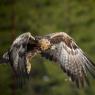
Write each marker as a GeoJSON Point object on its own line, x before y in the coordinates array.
{"type": "Point", "coordinates": [44, 44]}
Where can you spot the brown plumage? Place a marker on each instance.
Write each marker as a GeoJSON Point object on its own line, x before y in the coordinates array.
{"type": "Point", "coordinates": [58, 47]}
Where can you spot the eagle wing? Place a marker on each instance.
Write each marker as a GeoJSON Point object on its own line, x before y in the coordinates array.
{"type": "Point", "coordinates": [71, 58]}
{"type": "Point", "coordinates": [20, 53]}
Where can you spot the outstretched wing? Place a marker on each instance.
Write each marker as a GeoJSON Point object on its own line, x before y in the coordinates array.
{"type": "Point", "coordinates": [71, 58]}
{"type": "Point", "coordinates": [20, 53]}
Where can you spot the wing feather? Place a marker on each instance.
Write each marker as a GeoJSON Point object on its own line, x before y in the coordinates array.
{"type": "Point", "coordinates": [22, 49]}
{"type": "Point", "coordinates": [71, 58]}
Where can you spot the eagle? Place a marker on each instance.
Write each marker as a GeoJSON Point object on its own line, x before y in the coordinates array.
{"type": "Point", "coordinates": [58, 47]}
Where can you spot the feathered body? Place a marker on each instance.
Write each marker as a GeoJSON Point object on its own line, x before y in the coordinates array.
{"type": "Point", "coordinates": [58, 47]}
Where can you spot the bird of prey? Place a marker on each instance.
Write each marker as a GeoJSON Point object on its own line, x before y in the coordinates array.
{"type": "Point", "coordinates": [58, 47]}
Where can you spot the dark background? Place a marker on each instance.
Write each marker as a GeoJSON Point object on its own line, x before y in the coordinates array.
{"type": "Point", "coordinates": [40, 17]}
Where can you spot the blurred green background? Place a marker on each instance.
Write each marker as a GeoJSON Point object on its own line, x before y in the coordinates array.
{"type": "Point", "coordinates": [40, 17]}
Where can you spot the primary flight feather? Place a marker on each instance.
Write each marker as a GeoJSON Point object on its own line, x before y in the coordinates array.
{"type": "Point", "coordinates": [19, 55]}
{"type": "Point", "coordinates": [58, 47]}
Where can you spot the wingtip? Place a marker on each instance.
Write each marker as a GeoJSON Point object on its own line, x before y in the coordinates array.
{"type": "Point", "coordinates": [2, 61]}
{"type": "Point", "coordinates": [4, 58]}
